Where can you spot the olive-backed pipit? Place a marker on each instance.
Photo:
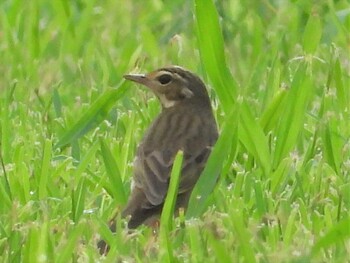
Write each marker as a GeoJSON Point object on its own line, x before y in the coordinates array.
{"type": "Point", "coordinates": [185, 123]}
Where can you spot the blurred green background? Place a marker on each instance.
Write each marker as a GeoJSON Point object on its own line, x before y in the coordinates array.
{"type": "Point", "coordinates": [278, 74]}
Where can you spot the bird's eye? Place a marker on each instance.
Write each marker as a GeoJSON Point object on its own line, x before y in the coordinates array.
{"type": "Point", "coordinates": [164, 79]}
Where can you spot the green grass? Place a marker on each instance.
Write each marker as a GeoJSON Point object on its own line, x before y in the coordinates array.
{"type": "Point", "coordinates": [278, 75]}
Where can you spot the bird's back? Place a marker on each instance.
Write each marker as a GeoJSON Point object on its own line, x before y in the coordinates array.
{"type": "Point", "coordinates": [177, 128]}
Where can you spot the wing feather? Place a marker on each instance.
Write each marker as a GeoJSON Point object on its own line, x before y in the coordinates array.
{"type": "Point", "coordinates": [153, 164]}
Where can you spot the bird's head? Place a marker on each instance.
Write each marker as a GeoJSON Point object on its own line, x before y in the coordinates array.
{"type": "Point", "coordinates": [173, 85]}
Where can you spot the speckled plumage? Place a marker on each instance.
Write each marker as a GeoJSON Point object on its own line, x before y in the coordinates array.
{"type": "Point", "coordinates": [185, 123]}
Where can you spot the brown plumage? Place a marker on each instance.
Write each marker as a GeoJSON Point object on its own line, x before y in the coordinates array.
{"type": "Point", "coordinates": [186, 123]}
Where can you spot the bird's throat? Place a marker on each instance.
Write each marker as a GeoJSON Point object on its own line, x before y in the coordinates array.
{"type": "Point", "coordinates": [166, 102]}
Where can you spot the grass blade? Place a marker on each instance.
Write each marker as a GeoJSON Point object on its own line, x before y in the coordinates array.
{"type": "Point", "coordinates": [295, 108]}
{"type": "Point", "coordinates": [95, 115]}
{"type": "Point", "coordinates": [338, 233]}
{"type": "Point", "coordinates": [45, 169]}
{"type": "Point", "coordinates": [115, 180]}
{"type": "Point", "coordinates": [170, 200]}
{"type": "Point", "coordinates": [273, 111]}
{"type": "Point", "coordinates": [211, 47]}
{"type": "Point", "coordinates": [312, 34]}
{"type": "Point", "coordinates": [209, 176]}
{"type": "Point", "coordinates": [168, 208]}
{"type": "Point", "coordinates": [78, 200]}
{"type": "Point", "coordinates": [243, 237]}
{"type": "Point", "coordinates": [253, 138]}
{"type": "Point", "coordinates": [67, 250]}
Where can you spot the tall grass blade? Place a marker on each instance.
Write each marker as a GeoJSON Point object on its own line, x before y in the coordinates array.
{"type": "Point", "coordinates": [211, 47]}
{"type": "Point", "coordinates": [312, 34]}
{"type": "Point", "coordinates": [253, 138]}
{"type": "Point", "coordinates": [291, 124]}
{"type": "Point", "coordinates": [114, 176]}
{"type": "Point", "coordinates": [166, 218]}
{"type": "Point", "coordinates": [211, 173]}
{"type": "Point", "coordinates": [95, 115]}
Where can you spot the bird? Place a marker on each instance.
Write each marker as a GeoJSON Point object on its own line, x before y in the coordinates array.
{"type": "Point", "coordinates": [186, 123]}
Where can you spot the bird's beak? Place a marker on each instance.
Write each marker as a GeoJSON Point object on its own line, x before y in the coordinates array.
{"type": "Point", "coordinates": [139, 78]}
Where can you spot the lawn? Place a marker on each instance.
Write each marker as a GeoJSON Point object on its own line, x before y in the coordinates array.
{"type": "Point", "coordinates": [278, 74]}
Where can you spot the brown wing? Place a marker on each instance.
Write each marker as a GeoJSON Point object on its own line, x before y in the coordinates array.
{"type": "Point", "coordinates": [151, 174]}
{"type": "Point", "coordinates": [156, 154]}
